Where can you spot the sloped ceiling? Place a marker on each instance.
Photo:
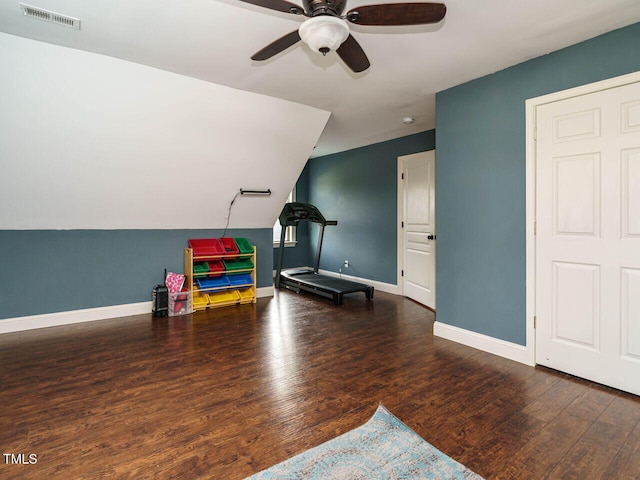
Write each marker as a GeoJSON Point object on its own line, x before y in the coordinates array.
{"type": "Point", "coordinates": [93, 142]}
{"type": "Point", "coordinates": [212, 40]}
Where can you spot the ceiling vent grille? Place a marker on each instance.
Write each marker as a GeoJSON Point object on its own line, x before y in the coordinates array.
{"type": "Point", "coordinates": [51, 17]}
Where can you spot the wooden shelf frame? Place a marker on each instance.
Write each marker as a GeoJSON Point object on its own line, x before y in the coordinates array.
{"type": "Point", "coordinates": [190, 260]}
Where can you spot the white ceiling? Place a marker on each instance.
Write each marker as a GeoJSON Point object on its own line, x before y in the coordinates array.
{"type": "Point", "coordinates": [212, 40]}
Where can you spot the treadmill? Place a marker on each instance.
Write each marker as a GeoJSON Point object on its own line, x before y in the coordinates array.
{"type": "Point", "coordinates": [304, 279]}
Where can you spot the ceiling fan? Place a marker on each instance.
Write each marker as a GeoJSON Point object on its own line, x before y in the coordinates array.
{"type": "Point", "coordinates": [326, 29]}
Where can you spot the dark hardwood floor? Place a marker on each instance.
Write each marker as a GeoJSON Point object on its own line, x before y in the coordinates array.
{"type": "Point", "coordinates": [226, 393]}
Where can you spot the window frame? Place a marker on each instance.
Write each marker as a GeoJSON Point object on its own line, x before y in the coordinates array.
{"type": "Point", "coordinates": [290, 235]}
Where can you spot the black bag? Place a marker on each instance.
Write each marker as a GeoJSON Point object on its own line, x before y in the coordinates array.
{"type": "Point", "coordinates": [160, 296]}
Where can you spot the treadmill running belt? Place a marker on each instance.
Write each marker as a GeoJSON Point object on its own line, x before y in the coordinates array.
{"type": "Point", "coordinates": [329, 286]}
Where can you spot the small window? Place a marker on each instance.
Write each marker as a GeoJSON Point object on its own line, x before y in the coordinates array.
{"type": "Point", "coordinates": [290, 235]}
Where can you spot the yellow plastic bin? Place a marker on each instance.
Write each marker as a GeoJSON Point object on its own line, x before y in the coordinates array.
{"type": "Point", "coordinates": [246, 294]}
{"type": "Point", "coordinates": [221, 298]}
{"type": "Point", "coordinates": [200, 300]}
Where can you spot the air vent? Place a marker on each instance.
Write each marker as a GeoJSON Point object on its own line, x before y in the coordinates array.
{"type": "Point", "coordinates": [51, 17]}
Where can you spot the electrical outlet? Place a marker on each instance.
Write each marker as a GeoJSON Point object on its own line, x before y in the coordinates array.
{"type": "Point", "coordinates": [346, 264]}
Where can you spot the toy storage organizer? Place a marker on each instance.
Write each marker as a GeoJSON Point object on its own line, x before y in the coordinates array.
{"type": "Point", "coordinates": [220, 272]}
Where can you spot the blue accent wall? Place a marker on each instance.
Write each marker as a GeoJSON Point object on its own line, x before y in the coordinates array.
{"type": "Point", "coordinates": [480, 180]}
{"type": "Point", "coordinates": [62, 270]}
{"type": "Point", "coordinates": [358, 188]}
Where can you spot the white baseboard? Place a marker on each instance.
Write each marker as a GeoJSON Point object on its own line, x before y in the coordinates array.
{"type": "Point", "coordinates": [31, 322]}
{"type": "Point", "coordinates": [19, 324]}
{"type": "Point", "coordinates": [512, 351]}
{"type": "Point", "coordinates": [380, 286]}
{"type": "Point", "coordinates": [263, 292]}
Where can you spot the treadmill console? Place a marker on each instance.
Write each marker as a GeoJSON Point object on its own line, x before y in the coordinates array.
{"type": "Point", "coordinates": [295, 212]}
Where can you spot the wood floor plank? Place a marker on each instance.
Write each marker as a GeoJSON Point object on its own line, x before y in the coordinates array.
{"type": "Point", "coordinates": [228, 392]}
{"type": "Point", "coordinates": [625, 464]}
{"type": "Point", "coordinates": [541, 454]}
{"type": "Point", "coordinates": [592, 453]}
{"type": "Point", "coordinates": [494, 451]}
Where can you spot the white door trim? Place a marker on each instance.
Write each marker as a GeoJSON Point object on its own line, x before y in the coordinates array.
{"type": "Point", "coordinates": [400, 218]}
{"type": "Point", "coordinates": [530, 159]}
{"type": "Point", "coordinates": [400, 233]}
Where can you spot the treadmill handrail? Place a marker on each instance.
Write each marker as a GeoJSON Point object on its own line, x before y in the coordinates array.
{"type": "Point", "coordinates": [295, 212]}
{"type": "Point", "coordinates": [292, 214]}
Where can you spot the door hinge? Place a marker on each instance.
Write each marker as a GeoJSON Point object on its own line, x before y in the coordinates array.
{"type": "Point", "coordinates": [402, 176]}
{"type": "Point", "coordinates": [535, 322]}
{"type": "Point", "coordinates": [402, 273]}
{"type": "Point", "coordinates": [535, 228]}
{"type": "Point", "coordinates": [401, 224]}
{"type": "Point", "coordinates": [535, 133]}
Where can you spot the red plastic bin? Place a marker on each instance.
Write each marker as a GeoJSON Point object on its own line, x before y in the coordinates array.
{"type": "Point", "coordinates": [206, 247]}
{"type": "Point", "coordinates": [230, 247]}
{"type": "Point", "coordinates": [216, 266]}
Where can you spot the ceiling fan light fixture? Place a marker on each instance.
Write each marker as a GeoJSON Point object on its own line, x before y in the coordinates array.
{"type": "Point", "coordinates": [324, 33]}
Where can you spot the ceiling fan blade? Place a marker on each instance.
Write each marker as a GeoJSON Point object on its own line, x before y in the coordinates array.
{"type": "Point", "coordinates": [278, 5]}
{"type": "Point", "coordinates": [397, 14]}
{"type": "Point", "coordinates": [278, 46]}
{"type": "Point", "coordinates": [352, 54]}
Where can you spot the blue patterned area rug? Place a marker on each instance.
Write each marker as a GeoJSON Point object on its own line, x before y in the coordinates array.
{"type": "Point", "coordinates": [383, 448]}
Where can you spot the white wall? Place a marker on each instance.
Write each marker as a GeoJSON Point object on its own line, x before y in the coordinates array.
{"type": "Point", "coordinates": [92, 142]}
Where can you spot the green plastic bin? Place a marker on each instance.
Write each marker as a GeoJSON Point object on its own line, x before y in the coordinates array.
{"type": "Point", "coordinates": [243, 245]}
{"type": "Point", "coordinates": [200, 267]}
{"type": "Point", "coordinates": [238, 264]}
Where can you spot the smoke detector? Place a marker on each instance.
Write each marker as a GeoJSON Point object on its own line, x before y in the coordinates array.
{"type": "Point", "coordinates": [51, 17]}
{"type": "Point", "coordinates": [408, 120]}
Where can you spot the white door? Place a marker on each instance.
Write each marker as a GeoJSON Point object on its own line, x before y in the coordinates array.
{"type": "Point", "coordinates": [419, 227]}
{"type": "Point", "coordinates": [588, 236]}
